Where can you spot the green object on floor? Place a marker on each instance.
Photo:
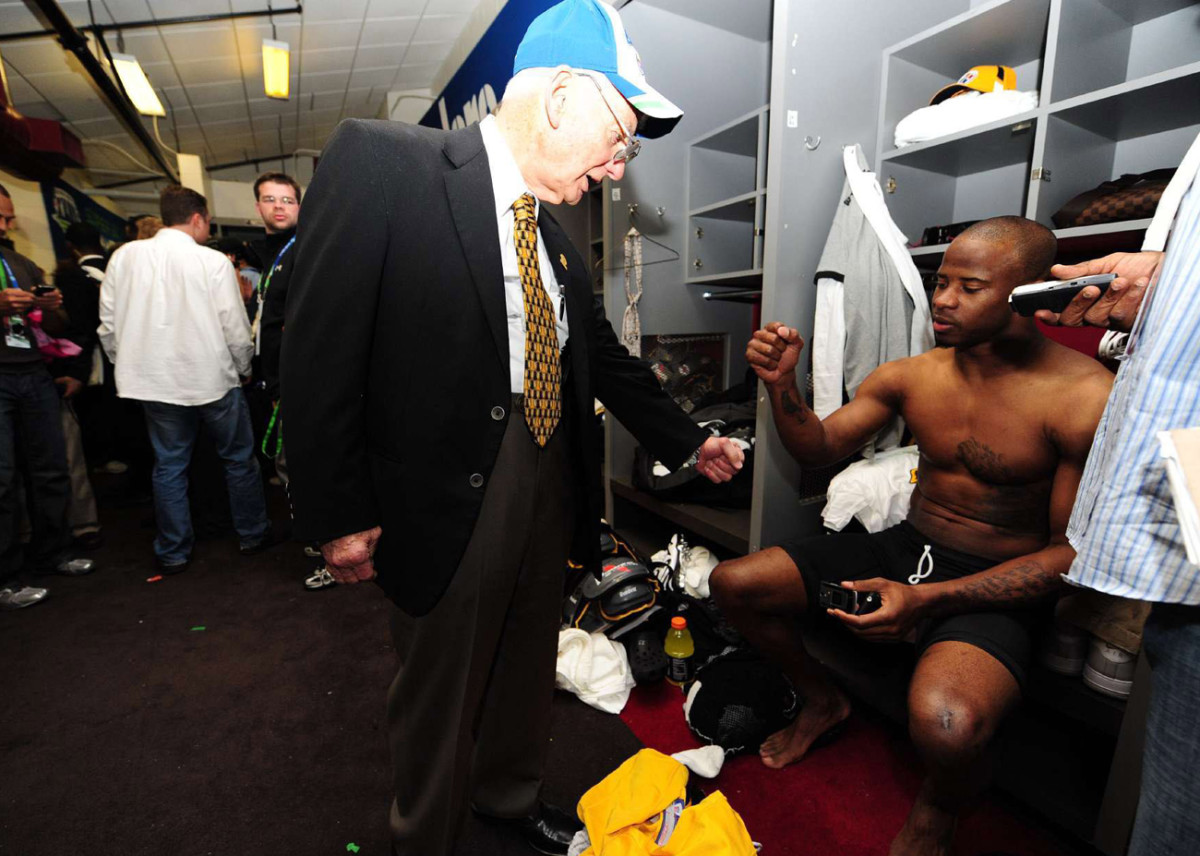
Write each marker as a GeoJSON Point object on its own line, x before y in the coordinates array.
{"type": "Point", "coordinates": [352, 847]}
{"type": "Point", "coordinates": [199, 627]}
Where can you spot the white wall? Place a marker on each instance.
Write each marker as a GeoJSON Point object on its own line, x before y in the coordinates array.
{"type": "Point", "coordinates": [31, 238]}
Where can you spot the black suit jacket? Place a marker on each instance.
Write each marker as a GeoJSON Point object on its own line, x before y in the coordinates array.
{"type": "Point", "coordinates": [395, 379]}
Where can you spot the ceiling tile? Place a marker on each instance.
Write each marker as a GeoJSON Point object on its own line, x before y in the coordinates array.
{"type": "Point", "coordinates": [215, 70]}
{"type": "Point", "coordinates": [161, 74]}
{"type": "Point", "coordinates": [440, 28]}
{"type": "Point", "coordinates": [451, 7]}
{"type": "Point", "coordinates": [335, 34]}
{"type": "Point", "coordinates": [16, 18]}
{"type": "Point", "coordinates": [419, 53]}
{"type": "Point", "coordinates": [40, 110]}
{"type": "Point", "coordinates": [20, 90]}
{"type": "Point", "coordinates": [214, 93]}
{"type": "Point", "coordinates": [43, 56]}
{"type": "Point", "coordinates": [367, 77]}
{"type": "Point", "coordinates": [337, 10]}
{"type": "Point", "coordinates": [322, 101]}
{"type": "Point", "coordinates": [224, 113]}
{"type": "Point", "coordinates": [380, 56]}
{"type": "Point", "coordinates": [193, 43]}
{"type": "Point", "coordinates": [416, 76]}
{"type": "Point", "coordinates": [398, 8]}
{"type": "Point", "coordinates": [324, 81]}
{"type": "Point", "coordinates": [146, 45]}
{"type": "Point", "coordinates": [390, 31]}
{"type": "Point", "coordinates": [329, 59]}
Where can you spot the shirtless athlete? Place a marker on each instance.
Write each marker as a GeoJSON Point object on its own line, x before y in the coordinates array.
{"type": "Point", "coordinates": [1004, 419]}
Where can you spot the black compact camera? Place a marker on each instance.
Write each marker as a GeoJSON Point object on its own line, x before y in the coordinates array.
{"type": "Point", "coordinates": [849, 601]}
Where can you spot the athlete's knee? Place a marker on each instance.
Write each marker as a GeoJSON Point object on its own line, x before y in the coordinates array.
{"type": "Point", "coordinates": [947, 725]}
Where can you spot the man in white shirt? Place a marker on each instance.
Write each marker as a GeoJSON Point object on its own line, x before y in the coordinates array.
{"type": "Point", "coordinates": [172, 321]}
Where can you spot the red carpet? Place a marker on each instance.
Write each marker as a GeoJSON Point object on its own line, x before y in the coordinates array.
{"type": "Point", "coordinates": [848, 799]}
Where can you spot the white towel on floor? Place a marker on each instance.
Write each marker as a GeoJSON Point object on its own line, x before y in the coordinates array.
{"type": "Point", "coordinates": [594, 668]}
{"type": "Point", "coordinates": [706, 761]}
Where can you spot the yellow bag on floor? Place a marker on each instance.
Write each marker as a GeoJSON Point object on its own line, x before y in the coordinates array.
{"type": "Point", "coordinates": [640, 809]}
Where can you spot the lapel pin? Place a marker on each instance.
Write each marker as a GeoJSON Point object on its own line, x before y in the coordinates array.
{"type": "Point", "coordinates": [562, 260]}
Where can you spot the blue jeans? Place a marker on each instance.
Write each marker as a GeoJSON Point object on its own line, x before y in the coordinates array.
{"type": "Point", "coordinates": [1167, 822]}
{"type": "Point", "coordinates": [31, 440]}
{"type": "Point", "coordinates": [173, 430]}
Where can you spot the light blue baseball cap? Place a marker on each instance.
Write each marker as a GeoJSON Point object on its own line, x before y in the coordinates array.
{"type": "Point", "coordinates": [589, 35]}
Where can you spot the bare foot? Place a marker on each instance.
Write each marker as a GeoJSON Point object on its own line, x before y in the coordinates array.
{"type": "Point", "coordinates": [816, 717]}
{"type": "Point", "coordinates": [929, 831]}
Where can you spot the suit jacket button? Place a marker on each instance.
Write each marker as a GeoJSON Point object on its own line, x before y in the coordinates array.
{"type": "Point", "coordinates": [476, 480]}
{"type": "Point", "coordinates": [498, 413]}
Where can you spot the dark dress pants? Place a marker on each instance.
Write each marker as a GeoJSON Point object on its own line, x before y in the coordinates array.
{"type": "Point", "coordinates": [31, 444]}
{"type": "Point", "coordinates": [469, 710]}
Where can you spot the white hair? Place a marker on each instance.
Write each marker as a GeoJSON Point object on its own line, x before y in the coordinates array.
{"type": "Point", "coordinates": [532, 81]}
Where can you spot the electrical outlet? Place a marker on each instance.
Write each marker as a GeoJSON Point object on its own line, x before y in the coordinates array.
{"type": "Point", "coordinates": [793, 118]}
{"type": "Point", "coordinates": [616, 194]}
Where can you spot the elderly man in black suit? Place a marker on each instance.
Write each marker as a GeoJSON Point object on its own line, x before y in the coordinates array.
{"type": "Point", "coordinates": [441, 359]}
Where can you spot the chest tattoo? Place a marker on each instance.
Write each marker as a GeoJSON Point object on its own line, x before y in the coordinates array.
{"type": "Point", "coordinates": [983, 462]}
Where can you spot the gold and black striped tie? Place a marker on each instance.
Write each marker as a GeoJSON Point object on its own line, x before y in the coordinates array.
{"type": "Point", "coordinates": [543, 396]}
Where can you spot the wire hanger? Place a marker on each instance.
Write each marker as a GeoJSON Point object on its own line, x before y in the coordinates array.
{"type": "Point", "coordinates": [633, 215]}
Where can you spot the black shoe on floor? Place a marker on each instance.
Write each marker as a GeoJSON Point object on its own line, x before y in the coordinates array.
{"type": "Point", "coordinates": [271, 539]}
{"type": "Point", "coordinates": [548, 830]}
{"type": "Point", "coordinates": [174, 568]}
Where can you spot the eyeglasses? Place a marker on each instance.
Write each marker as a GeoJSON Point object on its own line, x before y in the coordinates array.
{"type": "Point", "coordinates": [271, 200]}
{"type": "Point", "coordinates": [632, 146]}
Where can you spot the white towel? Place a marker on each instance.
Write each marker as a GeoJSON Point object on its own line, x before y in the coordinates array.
{"type": "Point", "coordinates": [705, 761]}
{"type": "Point", "coordinates": [594, 668]}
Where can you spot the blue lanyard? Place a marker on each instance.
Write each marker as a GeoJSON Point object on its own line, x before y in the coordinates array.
{"type": "Point", "coordinates": [10, 280]}
{"type": "Point", "coordinates": [266, 282]}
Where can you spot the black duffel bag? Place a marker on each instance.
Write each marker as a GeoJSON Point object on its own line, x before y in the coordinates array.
{"type": "Point", "coordinates": [735, 421]}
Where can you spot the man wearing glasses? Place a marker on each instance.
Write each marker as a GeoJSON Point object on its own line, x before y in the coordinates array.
{"type": "Point", "coordinates": [440, 368]}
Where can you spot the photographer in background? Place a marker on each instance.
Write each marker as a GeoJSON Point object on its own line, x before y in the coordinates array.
{"type": "Point", "coordinates": [29, 407]}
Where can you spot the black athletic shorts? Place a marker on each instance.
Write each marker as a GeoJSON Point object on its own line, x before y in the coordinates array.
{"type": "Point", "coordinates": [899, 554]}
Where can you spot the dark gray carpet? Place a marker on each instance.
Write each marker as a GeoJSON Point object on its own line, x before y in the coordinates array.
{"type": "Point", "coordinates": [125, 731]}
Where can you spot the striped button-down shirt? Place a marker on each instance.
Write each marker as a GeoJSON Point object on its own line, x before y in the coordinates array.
{"type": "Point", "coordinates": [1124, 527]}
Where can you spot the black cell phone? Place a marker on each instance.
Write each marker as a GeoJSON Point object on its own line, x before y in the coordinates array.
{"type": "Point", "coordinates": [1054, 295]}
{"type": "Point", "coordinates": [42, 290]}
{"type": "Point", "coordinates": [833, 596]}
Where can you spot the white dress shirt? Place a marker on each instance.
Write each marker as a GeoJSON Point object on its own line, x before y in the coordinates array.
{"type": "Point", "coordinates": [507, 185]}
{"type": "Point", "coordinates": [173, 322]}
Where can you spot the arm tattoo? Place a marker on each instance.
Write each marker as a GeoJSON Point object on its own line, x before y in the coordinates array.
{"type": "Point", "coordinates": [793, 408]}
{"type": "Point", "coordinates": [1016, 586]}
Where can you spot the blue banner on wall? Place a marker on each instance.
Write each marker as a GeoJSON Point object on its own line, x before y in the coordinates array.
{"type": "Point", "coordinates": [66, 205]}
{"type": "Point", "coordinates": [476, 87]}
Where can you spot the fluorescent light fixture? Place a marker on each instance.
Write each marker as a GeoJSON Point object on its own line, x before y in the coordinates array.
{"type": "Point", "coordinates": [134, 80]}
{"type": "Point", "coordinates": [276, 68]}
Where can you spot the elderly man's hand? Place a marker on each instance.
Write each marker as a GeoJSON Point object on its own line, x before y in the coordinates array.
{"type": "Point", "coordinates": [720, 459]}
{"type": "Point", "coordinates": [349, 559]}
{"type": "Point", "coordinates": [1118, 307]}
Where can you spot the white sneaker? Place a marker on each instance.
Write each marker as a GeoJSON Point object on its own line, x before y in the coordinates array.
{"type": "Point", "coordinates": [21, 597]}
{"type": "Point", "coordinates": [321, 579]}
{"type": "Point", "coordinates": [1109, 669]}
{"type": "Point", "coordinates": [1065, 649]}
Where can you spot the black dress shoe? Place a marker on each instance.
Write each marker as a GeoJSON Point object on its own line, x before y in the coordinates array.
{"type": "Point", "coordinates": [548, 830]}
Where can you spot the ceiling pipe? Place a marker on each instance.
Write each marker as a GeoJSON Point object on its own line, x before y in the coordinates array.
{"type": "Point", "coordinates": [152, 22]}
{"type": "Point", "coordinates": [51, 15]}
{"type": "Point", "coordinates": [139, 195]}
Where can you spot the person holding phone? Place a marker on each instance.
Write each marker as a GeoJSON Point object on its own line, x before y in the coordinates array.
{"type": "Point", "coordinates": [29, 416]}
{"type": "Point", "coordinates": [1124, 524]}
